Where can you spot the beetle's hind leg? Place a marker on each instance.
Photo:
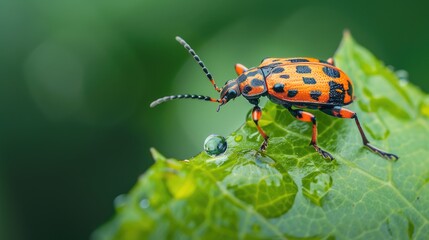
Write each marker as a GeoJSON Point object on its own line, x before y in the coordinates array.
{"type": "Point", "coordinates": [340, 112]}
{"type": "Point", "coordinates": [308, 117]}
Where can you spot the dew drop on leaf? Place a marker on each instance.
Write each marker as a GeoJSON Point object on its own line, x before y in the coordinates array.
{"type": "Point", "coordinates": [402, 76]}
{"type": "Point", "coordinates": [315, 186]}
{"type": "Point", "coordinates": [144, 203]}
{"type": "Point", "coordinates": [215, 145]}
{"type": "Point", "coordinates": [424, 107]}
{"type": "Point", "coordinates": [238, 138]}
{"type": "Point", "coordinates": [120, 201]}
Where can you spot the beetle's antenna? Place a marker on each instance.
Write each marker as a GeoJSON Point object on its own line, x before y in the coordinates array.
{"type": "Point", "coordinates": [181, 96]}
{"type": "Point", "coordinates": [197, 58]}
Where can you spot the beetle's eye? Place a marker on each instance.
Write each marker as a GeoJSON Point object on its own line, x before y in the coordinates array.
{"type": "Point", "coordinates": [232, 94]}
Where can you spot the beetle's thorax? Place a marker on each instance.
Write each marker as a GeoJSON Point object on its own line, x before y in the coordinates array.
{"type": "Point", "coordinates": [252, 83]}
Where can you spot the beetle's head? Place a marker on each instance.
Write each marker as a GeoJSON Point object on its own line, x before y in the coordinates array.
{"type": "Point", "coordinates": [229, 91]}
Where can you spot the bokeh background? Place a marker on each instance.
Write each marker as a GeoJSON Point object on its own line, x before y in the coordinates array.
{"type": "Point", "coordinates": [77, 78]}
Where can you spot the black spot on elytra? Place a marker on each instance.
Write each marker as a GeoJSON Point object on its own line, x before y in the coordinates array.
{"type": "Point", "coordinates": [247, 89]}
{"type": "Point", "coordinates": [350, 88]}
{"type": "Point", "coordinates": [279, 87]}
{"type": "Point", "coordinates": [252, 73]}
{"type": "Point", "coordinates": [336, 93]}
{"type": "Point", "coordinates": [295, 60]}
{"type": "Point", "coordinates": [303, 69]}
{"type": "Point", "coordinates": [331, 72]}
{"type": "Point", "coordinates": [285, 76]}
{"type": "Point", "coordinates": [309, 80]}
{"type": "Point", "coordinates": [256, 82]}
{"type": "Point", "coordinates": [278, 70]}
{"type": "Point", "coordinates": [292, 93]}
{"type": "Point", "coordinates": [315, 94]}
{"type": "Point", "coordinates": [241, 78]}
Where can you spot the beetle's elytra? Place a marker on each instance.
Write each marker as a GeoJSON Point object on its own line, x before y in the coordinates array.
{"type": "Point", "coordinates": [296, 84]}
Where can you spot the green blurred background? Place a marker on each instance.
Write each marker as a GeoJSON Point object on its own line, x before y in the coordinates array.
{"type": "Point", "coordinates": [77, 77]}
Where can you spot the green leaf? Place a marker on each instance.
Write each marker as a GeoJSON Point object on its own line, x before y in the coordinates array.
{"type": "Point", "coordinates": [290, 192]}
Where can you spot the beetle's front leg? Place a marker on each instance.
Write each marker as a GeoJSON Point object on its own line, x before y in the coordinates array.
{"type": "Point", "coordinates": [256, 115]}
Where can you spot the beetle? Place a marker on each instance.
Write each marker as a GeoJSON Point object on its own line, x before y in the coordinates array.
{"type": "Point", "coordinates": [296, 84]}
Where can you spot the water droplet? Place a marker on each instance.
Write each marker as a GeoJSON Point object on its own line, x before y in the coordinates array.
{"type": "Point", "coordinates": [253, 136]}
{"type": "Point", "coordinates": [403, 76]}
{"type": "Point", "coordinates": [315, 186]}
{"type": "Point", "coordinates": [215, 145]}
{"type": "Point", "coordinates": [238, 138]}
{"type": "Point", "coordinates": [263, 161]}
{"type": "Point", "coordinates": [120, 201]}
{"type": "Point", "coordinates": [144, 203]}
{"type": "Point", "coordinates": [424, 107]}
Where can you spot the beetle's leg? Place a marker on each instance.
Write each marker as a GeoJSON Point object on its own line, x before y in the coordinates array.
{"type": "Point", "coordinates": [331, 61]}
{"type": "Point", "coordinates": [340, 112]}
{"type": "Point", "coordinates": [308, 117]}
{"type": "Point", "coordinates": [240, 69]}
{"type": "Point", "coordinates": [256, 115]}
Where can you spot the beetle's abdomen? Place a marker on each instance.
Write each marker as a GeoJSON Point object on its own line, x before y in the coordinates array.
{"type": "Point", "coordinates": [311, 83]}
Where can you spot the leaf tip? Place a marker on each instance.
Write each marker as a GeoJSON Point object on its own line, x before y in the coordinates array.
{"type": "Point", "coordinates": [346, 41]}
{"type": "Point", "coordinates": [156, 155]}
{"type": "Point", "coordinates": [347, 37]}
{"type": "Point", "coordinates": [346, 33]}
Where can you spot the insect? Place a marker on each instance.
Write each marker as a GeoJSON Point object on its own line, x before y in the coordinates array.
{"type": "Point", "coordinates": [296, 84]}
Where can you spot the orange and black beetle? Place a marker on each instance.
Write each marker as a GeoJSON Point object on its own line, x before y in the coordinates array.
{"type": "Point", "coordinates": [294, 83]}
